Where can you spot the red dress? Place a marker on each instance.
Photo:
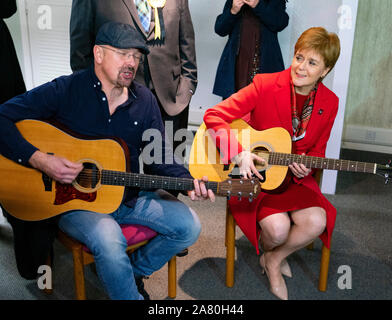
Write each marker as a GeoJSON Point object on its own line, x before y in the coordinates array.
{"type": "Point", "coordinates": [288, 200]}
{"type": "Point", "coordinates": [270, 94]}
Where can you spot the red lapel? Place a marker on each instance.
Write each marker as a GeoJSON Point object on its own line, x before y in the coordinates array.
{"type": "Point", "coordinates": [283, 103]}
{"type": "Point", "coordinates": [282, 99]}
{"type": "Point", "coordinates": [319, 109]}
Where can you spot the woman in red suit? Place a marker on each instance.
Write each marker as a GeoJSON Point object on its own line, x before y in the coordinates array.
{"type": "Point", "coordinates": [296, 100]}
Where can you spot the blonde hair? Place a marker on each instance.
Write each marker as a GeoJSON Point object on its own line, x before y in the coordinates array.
{"type": "Point", "coordinates": [325, 43]}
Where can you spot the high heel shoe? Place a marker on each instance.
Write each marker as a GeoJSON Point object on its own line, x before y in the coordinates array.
{"type": "Point", "coordinates": [285, 269]}
{"type": "Point", "coordinates": [279, 291]}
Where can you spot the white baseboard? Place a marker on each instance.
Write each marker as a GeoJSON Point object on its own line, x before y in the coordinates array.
{"type": "Point", "coordinates": [367, 147]}
{"type": "Point", "coordinates": [367, 139]}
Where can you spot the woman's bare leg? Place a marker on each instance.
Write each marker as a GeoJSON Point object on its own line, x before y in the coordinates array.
{"type": "Point", "coordinates": [274, 230]}
{"type": "Point", "coordinates": [308, 224]}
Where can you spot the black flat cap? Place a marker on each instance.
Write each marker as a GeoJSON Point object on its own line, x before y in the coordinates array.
{"type": "Point", "coordinates": [121, 36]}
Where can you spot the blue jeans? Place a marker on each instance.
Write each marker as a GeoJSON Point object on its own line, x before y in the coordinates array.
{"type": "Point", "coordinates": [177, 225]}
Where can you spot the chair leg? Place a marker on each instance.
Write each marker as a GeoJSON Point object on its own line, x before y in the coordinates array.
{"type": "Point", "coordinates": [230, 249]}
{"type": "Point", "coordinates": [227, 223]}
{"type": "Point", "coordinates": [324, 266]}
{"type": "Point", "coordinates": [80, 289]}
{"type": "Point", "coordinates": [172, 277]}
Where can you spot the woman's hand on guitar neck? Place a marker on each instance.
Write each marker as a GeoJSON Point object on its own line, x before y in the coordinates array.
{"type": "Point", "coordinates": [246, 164]}
{"type": "Point", "coordinates": [299, 170]}
{"type": "Point", "coordinates": [59, 169]}
{"type": "Point", "coordinates": [200, 191]}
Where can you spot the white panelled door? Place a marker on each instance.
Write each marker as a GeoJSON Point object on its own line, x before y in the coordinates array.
{"type": "Point", "coordinates": [46, 30]}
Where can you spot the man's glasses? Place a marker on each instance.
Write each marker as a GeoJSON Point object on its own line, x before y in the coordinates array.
{"type": "Point", "coordinates": [127, 55]}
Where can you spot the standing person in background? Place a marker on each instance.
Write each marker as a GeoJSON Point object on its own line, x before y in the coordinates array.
{"type": "Point", "coordinates": [170, 68]}
{"type": "Point", "coordinates": [12, 84]}
{"type": "Point", "coordinates": [252, 47]}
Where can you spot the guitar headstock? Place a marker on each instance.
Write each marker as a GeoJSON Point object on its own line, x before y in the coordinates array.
{"type": "Point", "coordinates": [241, 188]}
{"type": "Point", "coordinates": [385, 171]}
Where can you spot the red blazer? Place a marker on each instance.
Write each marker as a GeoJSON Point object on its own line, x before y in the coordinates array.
{"type": "Point", "coordinates": [265, 103]}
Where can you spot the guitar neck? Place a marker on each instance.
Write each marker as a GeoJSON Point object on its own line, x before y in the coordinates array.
{"type": "Point", "coordinates": [146, 181]}
{"type": "Point", "coordinates": [285, 159]}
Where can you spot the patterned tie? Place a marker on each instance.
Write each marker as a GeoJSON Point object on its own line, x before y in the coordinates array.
{"type": "Point", "coordinates": [144, 13]}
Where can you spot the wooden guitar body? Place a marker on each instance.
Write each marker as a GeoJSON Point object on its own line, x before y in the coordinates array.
{"type": "Point", "coordinates": [205, 159]}
{"type": "Point", "coordinates": [30, 195]}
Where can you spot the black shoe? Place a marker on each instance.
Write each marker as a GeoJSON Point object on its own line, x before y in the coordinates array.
{"type": "Point", "coordinates": [182, 253]}
{"type": "Point", "coordinates": [140, 288]}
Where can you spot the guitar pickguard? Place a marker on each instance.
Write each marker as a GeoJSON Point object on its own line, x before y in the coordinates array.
{"type": "Point", "coordinates": [66, 192]}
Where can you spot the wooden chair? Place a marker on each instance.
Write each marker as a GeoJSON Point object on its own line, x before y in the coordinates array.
{"type": "Point", "coordinates": [230, 250]}
{"type": "Point", "coordinates": [136, 236]}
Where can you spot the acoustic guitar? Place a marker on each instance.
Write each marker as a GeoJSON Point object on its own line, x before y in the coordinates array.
{"type": "Point", "coordinates": [31, 195]}
{"type": "Point", "coordinates": [274, 145]}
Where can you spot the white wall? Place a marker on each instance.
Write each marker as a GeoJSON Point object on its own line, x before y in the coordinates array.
{"type": "Point", "coordinates": [13, 24]}
{"type": "Point", "coordinates": [209, 47]}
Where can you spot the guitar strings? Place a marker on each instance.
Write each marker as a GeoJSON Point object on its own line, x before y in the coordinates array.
{"type": "Point", "coordinates": [143, 180]}
{"type": "Point", "coordinates": [86, 176]}
{"type": "Point", "coordinates": [321, 163]}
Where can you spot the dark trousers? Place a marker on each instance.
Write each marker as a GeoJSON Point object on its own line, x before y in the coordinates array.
{"type": "Point", "coordinates": [179, 121]}
{"type": "Point", "coordinates": [32, 243]}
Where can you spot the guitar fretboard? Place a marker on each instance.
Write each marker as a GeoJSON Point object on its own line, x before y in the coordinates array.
{"type": "Point", "coordinates": [285, 159]}
{"type": "Point", "coordinates": [145, 181]}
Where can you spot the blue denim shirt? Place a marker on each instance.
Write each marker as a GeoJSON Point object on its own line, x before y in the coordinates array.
{"type": "Point", "coordinates": [77, 102]}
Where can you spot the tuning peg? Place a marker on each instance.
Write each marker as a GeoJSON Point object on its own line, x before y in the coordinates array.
{"type": "Point", "coordinates": [239, 195]}
{"type": "Point", "coordinates": [228, 195]}
{"type": "Point", "coordinates": [250, 197]}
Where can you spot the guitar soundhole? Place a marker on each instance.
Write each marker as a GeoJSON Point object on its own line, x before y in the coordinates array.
{"type": "Point", "coordinates": [263, 153]}
{"type": "Point", "coordinates": [89, 177]}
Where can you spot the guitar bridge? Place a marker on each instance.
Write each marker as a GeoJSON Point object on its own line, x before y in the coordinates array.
{"type": "Point", "coordinates": [46, 179]}
{"type": "Point", "coordinates": [239, 176]}
{"type": "Point", "coordinates": [47, 182]}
